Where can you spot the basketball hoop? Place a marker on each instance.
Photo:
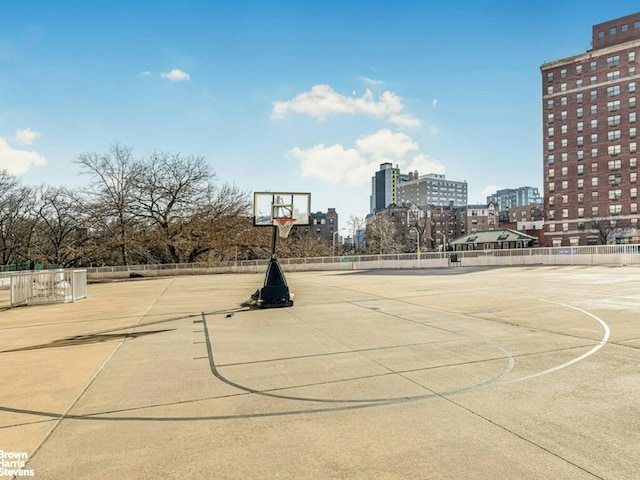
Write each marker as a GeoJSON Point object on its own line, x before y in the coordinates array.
{"type": "Point", "coordinates": [284, 224]}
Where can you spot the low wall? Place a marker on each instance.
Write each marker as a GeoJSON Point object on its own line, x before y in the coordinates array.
{"type": "Point", "coordinates": [594, 255]}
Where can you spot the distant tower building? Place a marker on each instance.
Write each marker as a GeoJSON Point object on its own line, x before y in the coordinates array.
{"type": "Point", "coordinates": [590, 139]}
{"type": "Point", "coordinates": [432, 189]}
{"type": "Point", "coordinates": [384, 187]}
{"type": "Point", "coordinates": [509, 198]}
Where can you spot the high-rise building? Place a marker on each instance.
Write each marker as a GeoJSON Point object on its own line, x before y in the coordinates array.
{"type": "Point", "coordinates": [509, 198]}
{"type": "Point", "coordinates": [384, 187]}
{"type": "Point", "coordinates": [431, 189]}
{"type": "Point", "coordinates": [590, 139]}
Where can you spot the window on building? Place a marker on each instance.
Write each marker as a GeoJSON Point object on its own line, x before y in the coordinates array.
{"type": "Point", "coordinates": [550, 131]}
{"type": "Point", "coordinates": [565, 184]}
{"type": "Point", "coordinates": [578, 69]}
{"type": "Point", "coordinates": [615, 209]}
{"type": "Point", "coordinates": [563, 115]}
{"type": "Point", "coordinates": [594, 153]}
{"type": "Point", "coordinates": [613, 31]}
{"type": "Point", "coordinates": [563, 101]}
{"type": "Point", "coordinates": [565, 199]}
{"type": "Point", "coordinates": [551, 186]}
{"type": "Point", "coordinates": [624, 28]}
{"type": "Point", "coordinates": [580, 212]}
{"type": "Point", "coordinates": [550, 159]}
{"type": "Point", "coordinates": [593, 65]}
{"type": "Point", "coordinates": [632, 102]}
{"type": "Point", "coordinates": [632, 71]}
{"type": "Point", "coordinates": [615, 179]}
{"type": "Point", "coordinates": [633, 147]}
{"type": "Point", "coordinates": [613, 61]}
{"type": "Point", "coordinates": [564, 143]}
{"type": "Point", "coordinates": [580, 169]}
{"type": "Point", "coordinates": [594, 123]}
{"type": "Point", "coordinates": [594, 181]}
{"type": "Point", "coordinates": [613, 90]}
{"type": "Point", "coordinates": [564, 156]}
{"type": "Point", "coordinates": [579, 98]}
{"type": "Point", "coordinates": [614, 149]}
{"type": "Point", "coordinates": [633, 162]}
{"type": "Point", "coordinates": [580, 140]}
{"type": "Point", "coordinates": [615, 194]}
{"type": "Point", "coordinates": [593, 80]}
{"type": "Point", "coordinates": [563, 73]}
{"type": "Point", "coordinates": [550, 118]}
{"type": "Point", "coordinates": [552, 214]}
{"type": "Point", "coordinates": [614, 164]}
{"type": "Point", "coordinates": [632, 56]}
{"type": "Point", "coordinates": [563, 87]}
{"type": "Point", "coordinates": [594, 167]}
{"type": "Point", "coordinates": [565, 226]}
{"type": "Point", "coordinates": [613, 120]}
{"type": "Point", "coordinates": [565, 170]}
{"type": "Point", "coordinates": [550, 104]}
{"type": "Point", "coordinates": [550, 90]}
{"type": "Point", "coordinates": [581, 198]}
{"type": "Point", "coordinates": [613, 135]}
{"type": "Point", "coordinates": [633, 207]}
{"type": "Point", "coordinates": [552, 202]}
{"type": "Point", "coordinates": [633, 177]}
{"type": "Point", "coordinates": [549, 76]}
{"type": "Point", "coordinates": [611, 76]}
{"type": "Point", "coordinates": [593, 95]}
{"type": "Point", "coordinates": [552, 172]}
{"type": "Point", "coordinates": [580, 126]}
{"type": "Point", "coordinates": [632, 116]}
{"type": "Point", "coordinates": [632, 132]}
{"type": "Point", "coordinates": [565, 213]}
{"type": "Point", "coordinates": [594, 211]}
{"type": "Point", "coordinates": [613, 105]}
{"type": "Point", "coordinates": [594, 196]}
{"type": "Point", "coordinates": [564, 129]}
{"type": "Point", "coordinates": [632, 87]}
{"type": "Point", "coordinates": [579, 112]}
{"type": "Point", "coordinates": [594, 109]}
{"type": "Point", "coordinates": [633, 192]}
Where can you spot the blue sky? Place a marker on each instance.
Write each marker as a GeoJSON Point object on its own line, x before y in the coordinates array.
{"type": "Point", "coordinates": [288, 95]}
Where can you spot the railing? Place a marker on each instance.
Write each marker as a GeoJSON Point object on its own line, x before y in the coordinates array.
{"type": "Point", "coordinates": [47, 286]}
{"type": "Point", "coordinates": [586, 255]}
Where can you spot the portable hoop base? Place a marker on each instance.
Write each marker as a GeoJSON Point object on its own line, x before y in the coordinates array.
{"type": "Point", "coordinates": [275, 292]}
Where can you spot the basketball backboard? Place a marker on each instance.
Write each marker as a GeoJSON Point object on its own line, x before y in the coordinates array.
{"type": "Point", "coordinates": [270, 205]}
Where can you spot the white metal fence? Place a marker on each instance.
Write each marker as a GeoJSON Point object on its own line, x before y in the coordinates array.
{"type": "Point", "coordinates": [587, 255]}
{"type": "Point", "coordinates": [47, 286]}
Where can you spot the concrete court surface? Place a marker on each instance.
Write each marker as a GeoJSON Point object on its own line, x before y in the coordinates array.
{"type": "Point", "coordinates": [506, 373]}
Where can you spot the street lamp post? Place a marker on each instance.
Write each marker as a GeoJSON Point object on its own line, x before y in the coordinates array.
{"type": "Point", "coordinates": [417, 240]}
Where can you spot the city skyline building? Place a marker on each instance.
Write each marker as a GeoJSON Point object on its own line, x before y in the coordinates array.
{"type": "Point", "coordinates": [509, 198]}
{"type": "Point", "coordinates": [384, 187]}
{"type": "Point", "coordinates": [431, 189]}
{"type": "Point", "coordinates": [590, 139]}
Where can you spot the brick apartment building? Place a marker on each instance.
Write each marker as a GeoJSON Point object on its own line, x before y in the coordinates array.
{"type": "Point", "coordinates": [590, 139]}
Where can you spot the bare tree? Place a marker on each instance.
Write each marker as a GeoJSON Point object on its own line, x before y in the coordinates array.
{"type": "Point", "coordinates": [58, 227]}
{"type": "Point", "coordinates": [15, 224]}
{"type": "Point", "coordinates": [355, 224]}
{"type": "Point", "coordinates": [380, 236]}
{"type": "Point", "coordinates": [111, 195]}
{"type": "Point", "coordinates": [603, 228]}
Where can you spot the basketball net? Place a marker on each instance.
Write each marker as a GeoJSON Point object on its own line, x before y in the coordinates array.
{"type": "Point", "coordinates": [284, 225]}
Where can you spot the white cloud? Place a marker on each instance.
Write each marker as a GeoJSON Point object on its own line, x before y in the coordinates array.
{"type": "Point", "coordinates": [16, 161]}
{"type": "Point", "coordinates": [355, 166]}
{"type": "Point", "coordinates": [434, 103]}
{"type": "Point", "coordinates": [146, 73]}
{"type": "Point", "coordinates": [176, 75]}
{"type": "Point", "coordinates": [322, 101]}
{"type": "Point", "coordinates": [371, 82]}
{"type": "Point", "coordinates": [25, 136]}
